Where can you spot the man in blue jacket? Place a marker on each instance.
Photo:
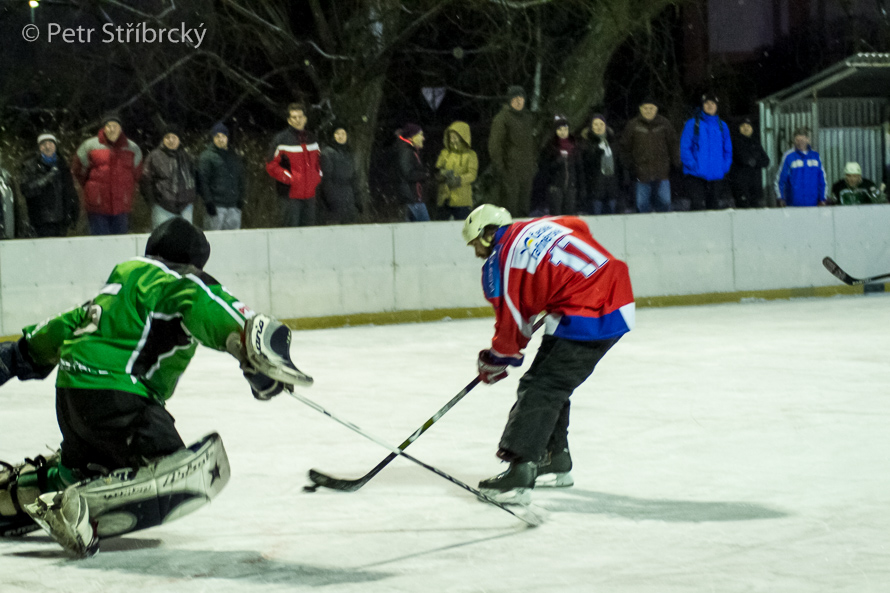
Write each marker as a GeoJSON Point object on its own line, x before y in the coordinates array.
{"type": "Point", "coordinates": [706, 152]}
{"type": "Point", "coordinates": [801, 178]}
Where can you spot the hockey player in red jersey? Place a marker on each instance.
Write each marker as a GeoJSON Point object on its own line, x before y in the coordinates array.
{"type": "Point", "coordinates": [551, 265]}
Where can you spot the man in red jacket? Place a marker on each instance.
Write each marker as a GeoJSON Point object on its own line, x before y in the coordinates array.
{"type": "Point", "coordinates": [552, 265]}
{"type": "Point", "coordinates": [293, 162]}
{"type": "Point", "coordinates": [107, 167]}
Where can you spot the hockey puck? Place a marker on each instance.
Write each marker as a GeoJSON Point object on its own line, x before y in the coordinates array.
{"type": "Point", "coordinates": [310, 488]}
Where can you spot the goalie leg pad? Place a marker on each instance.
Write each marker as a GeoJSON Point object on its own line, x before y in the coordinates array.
{"type": "Point", "coordinates": [129, 500]}
{"type": "Point", "coordinates": [20, 485]}
{"type": "Point", "coordinates": [269, 346]}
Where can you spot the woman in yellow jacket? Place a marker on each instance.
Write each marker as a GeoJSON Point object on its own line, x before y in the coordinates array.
{"type": "Point", "coordinates": [457, 168]}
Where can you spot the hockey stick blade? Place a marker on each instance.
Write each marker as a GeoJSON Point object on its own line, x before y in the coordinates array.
{"type": "Point", "coordinates": [321, 479]}
{"type": "Point", "coordinates": [841, 275]}
{"type": "Point", "coordinates": [525, 515]}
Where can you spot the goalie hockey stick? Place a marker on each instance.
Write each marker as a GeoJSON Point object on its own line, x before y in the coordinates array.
{"type": "Point", "coordinates": [321, 479]}
{"type": "Point", "coordinates": [841, 275]}
{"type": "Point", "coordinates": [525, 515]}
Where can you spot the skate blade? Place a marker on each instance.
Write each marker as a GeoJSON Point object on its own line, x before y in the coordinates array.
{"type": "Point", "coordinates": [520, 496]}
{"type": "Point", "coordinates": [558, 480]}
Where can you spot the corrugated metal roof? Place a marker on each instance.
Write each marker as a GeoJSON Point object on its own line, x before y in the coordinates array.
{"type": "Point", "coordinates": [860, 75]}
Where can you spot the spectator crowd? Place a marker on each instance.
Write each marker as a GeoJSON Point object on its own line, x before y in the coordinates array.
{"type": "Point", "coordinates": [594, 171]}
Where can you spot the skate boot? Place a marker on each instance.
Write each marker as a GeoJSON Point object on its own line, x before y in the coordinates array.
{"type": "Point", "coordinates": [66, 517]}
{"type": "Point", "coordinates": [20, 485]}
{"type": "Point", "coordinates": [554, 471]}
{"type": "Point", "coordinates": [514, 486]}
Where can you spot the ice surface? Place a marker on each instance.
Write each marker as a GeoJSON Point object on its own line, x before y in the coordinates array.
{"type": "Point", "coordinates": [727, 448]}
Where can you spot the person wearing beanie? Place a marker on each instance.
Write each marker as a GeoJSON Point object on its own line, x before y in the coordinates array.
{"type": "Point", "coordinates": [648, 148]}
{"type": "Point", "coordinates": [801, 181]}
{"type": "Point", "coordinates": [294, 162]}
{"type": "Point", "coordinates": [748, 160]}
{"type": "Point", "coordinates": [108, 167]}
{"type": "Point", "coordinates": [221, 182]}
{"type": "Point", "coordinates": [168, 179]}
{"type": "Point", "coordinates": [601, 173]}
{"type": "Point", "coordinates": [513, 151]}
{"type": "Point", "coordinates": [561, 171]}
{"type": "Point", "coordinates": [411, 172]}
{"type": "Point", "coordinates": [854, 189]}
{"type": "Point", "coordinates": [339, 179]}
{"type": "Point", "coordinates": [706, 152]}
{"type": "Point", "coordinates": [48, 189]}
{"type": "Point", "coordinates": [120, 358]}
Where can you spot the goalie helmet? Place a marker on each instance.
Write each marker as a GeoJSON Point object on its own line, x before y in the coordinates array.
{"type": "Point", "coordinates": [484, 216]}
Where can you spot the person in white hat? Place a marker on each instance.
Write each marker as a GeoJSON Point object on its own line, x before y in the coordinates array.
{"type": "Point", "coordinates": [854, 189]}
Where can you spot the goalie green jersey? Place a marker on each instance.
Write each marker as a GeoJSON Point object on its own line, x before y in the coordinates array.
{"type": "Point", "coordinates": [141, 331]}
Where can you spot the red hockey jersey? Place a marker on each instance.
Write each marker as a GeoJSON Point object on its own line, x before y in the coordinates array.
{"type": "Point", "coordinates": [554, 265]}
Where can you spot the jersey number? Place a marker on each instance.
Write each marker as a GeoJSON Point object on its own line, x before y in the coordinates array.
{"type": "Point", "coordinates": [586, 260]}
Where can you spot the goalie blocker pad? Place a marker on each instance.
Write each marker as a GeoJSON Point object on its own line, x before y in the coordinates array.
{"type": "Point", "coordinates": [129, 500]}
{"type": "Point", "coordinates": [269, 347]}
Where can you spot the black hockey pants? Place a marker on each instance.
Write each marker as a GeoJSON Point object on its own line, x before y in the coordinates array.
{"type": "Point", "coordinates": [539, 420]}
{"type": "Point", "coordinates": [112, 429]}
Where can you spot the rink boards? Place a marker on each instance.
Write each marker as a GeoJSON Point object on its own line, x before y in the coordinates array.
{"type": "Point", "coordinates": [392, 272]}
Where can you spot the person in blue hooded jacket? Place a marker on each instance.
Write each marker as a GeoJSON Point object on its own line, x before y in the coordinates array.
{"type": "Point", "coordinates": [706, 153]}
{"type": "Point", "coordinates": [801, 178]}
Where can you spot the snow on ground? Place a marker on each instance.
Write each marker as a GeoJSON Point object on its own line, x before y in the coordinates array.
{"type": "Point", "coordinates": [728, 448]}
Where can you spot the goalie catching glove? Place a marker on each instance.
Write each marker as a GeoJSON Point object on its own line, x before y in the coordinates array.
{"type": "Point", "coordinates": [266, 357]}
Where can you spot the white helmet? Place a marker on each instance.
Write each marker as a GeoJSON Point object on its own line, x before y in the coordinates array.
{"type": "Point", "coordinates": [483, 216]}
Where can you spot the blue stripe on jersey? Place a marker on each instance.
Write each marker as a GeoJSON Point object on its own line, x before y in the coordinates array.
{"type": "Point", "coordinates": [492, 282]}
{"type": "Point", "coordinates": [585, 329]}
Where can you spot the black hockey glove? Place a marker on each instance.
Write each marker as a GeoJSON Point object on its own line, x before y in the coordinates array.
{"type": "Point", "coordinates": [265, 388]}
{"type": "Point", "coordinates": [15, 361]}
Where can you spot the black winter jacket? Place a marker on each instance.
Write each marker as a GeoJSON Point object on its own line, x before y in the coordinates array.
{"type": "Point", "coordinates": [339, 188]}
{"type": "Point", "coordinates": [221, 177]}
{"type": "Point", "coordinates": [412, 172]}
{"type": "Point", "coordinates": [48, 190]}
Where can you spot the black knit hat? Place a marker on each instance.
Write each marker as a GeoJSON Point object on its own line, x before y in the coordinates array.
{"type": "Point", "coordinates": [112, 117]}
{"type": "Point", "coordinates": [559, 121]}
{"type": "Point", "coordinates": [648, 100]}
{"type": "Point", "coordinates": [179, 241]}
{"type": "Point", "coordinates": [219, 128]}
{"type": "Point", "coordinates": [515, 91]}
{"type": "Point", "coordinates": [709, 97]}
{"type": "Point", "coordinates": [411, 130]}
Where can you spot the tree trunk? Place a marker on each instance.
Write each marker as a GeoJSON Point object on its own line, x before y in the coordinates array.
{"type": "Point", "coordinates": [579, 82]}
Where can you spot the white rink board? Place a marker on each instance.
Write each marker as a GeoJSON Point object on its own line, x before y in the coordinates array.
{"type": "Point", "coordinates": [680, 253]}
{"type": "Point", "coordinates": [862, 238]}
{"type": "Point", "coordinates": [426, 253]}
{"type": "Point", "coordinates": [43, 277]}
{"type": "Point", "coordinates": [784, 248]}
{"type": "Point", "coordinates": [344, 270]}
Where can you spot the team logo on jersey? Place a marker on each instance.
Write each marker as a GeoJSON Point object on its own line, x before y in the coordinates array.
{"type": "Point", "coordinates": [246, 311]}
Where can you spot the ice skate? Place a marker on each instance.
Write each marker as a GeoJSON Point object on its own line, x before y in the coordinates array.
{"type": "Point", "coordinates": [514, 486]}
{"type": "Point", "coordinates": [66, 517]}
{"type": "Point", "coordinates": [555, 470]}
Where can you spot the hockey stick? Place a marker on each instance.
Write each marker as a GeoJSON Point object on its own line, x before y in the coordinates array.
{"type": "Point", "coordinates": [525, 515]}
{"type": "Point", "coordinates": [320, 479]}
{"type": "Point", "coordinates": [841, 275]}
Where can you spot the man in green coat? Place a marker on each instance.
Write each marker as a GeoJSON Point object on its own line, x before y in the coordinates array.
{"type": "Point", "coordinates": [511, 146]}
